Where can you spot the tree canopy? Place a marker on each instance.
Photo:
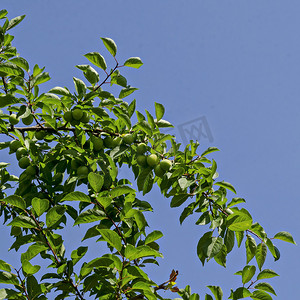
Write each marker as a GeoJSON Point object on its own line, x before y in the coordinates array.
{"type": "Point", "coordinates": [70, 144]}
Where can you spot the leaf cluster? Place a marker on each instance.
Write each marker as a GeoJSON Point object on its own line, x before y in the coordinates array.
{"type": "Point", "coordinates": [70, 149]}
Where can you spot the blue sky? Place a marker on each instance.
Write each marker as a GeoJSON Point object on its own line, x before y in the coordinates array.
{"type": "Point", "coordinates": [232, 64]}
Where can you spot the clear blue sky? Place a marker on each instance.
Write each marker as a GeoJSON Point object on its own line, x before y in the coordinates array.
{"type": "Point", "coordinates": [232, 64]}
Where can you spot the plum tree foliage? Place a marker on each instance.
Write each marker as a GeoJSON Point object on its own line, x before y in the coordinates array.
{"type": "Point", "coordinates": [69, 148]}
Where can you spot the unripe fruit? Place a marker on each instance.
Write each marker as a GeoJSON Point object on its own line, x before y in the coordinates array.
{"type": "Point", "coordinates": [152, 160]}
{"type": "Point", "coordinates": [21, 152]}
{"type": "Point", "coordinates": [13, 120]}
{"type": "Point", "coordinates": [75, 122]}
{"type": "Point", "coordinates": [75, 164]}
{"type": "Point", "coordinates": [77, 114]}
{"type": "Point", "coordinates": [165, 164]}
{"type": "Point", "coordinates": [68, 116]}
{"type": "Point", "coordinates": [82, 171]}
{"type": "Point", "coordinates": [97, 143]}
{"type": "Point", "coordinates": [85, 117]}
{"type": "Point", "coordinates": [31, 170]}
{"type": "Point", "coordinates": [24, 162]}
{"type": "Point", "coordinates": [14, 145]}
{"type": "Point", "coordinates": [40, 134]}
{"type": "Point", "coordinates": [141, 160]}
{"type": "Point", "coordinates": [28, 120]}
{"type": "Point", "coordinates": [141, 148]}
{"type": "Point", "coordinates": [159, 171]}
{"type": "Point", "coordinates": [108, 142]}
{"type": "Point", "coordinates": [128, 138]}
{"type": "Point", "coordinates": [117, 141]}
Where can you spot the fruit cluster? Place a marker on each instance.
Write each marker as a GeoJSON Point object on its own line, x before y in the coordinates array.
{"type": "Point", "coordinates": [75, 116]}
{"type": "Point", "coordinates": [22, 157]}
{"type": "Point", "coordinates": [152, 161]}
{"type": "Point", "coordinates": [14, 120]}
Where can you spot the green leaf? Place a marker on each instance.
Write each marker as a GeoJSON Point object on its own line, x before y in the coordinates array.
{"type": "Point", "coordinates": [163, 124]}
{"type": "Point", "coordinates": [150, 119]}
{"type": "Point", "coordinates": [121, 190]}
{"type": "Point", "coordinates": [11, 69]}
{"type": "Point", "coordinates": [140, 116]}
{"type": "Point", "coordinates": [260, 295]}
{"type": "Point", "coordinates": [209, 246]}
{"type": "Point", "coordinates": [240, 293]}
{"type": "Point", "coordinates": [131, 108]}
{"type": "Point", "coordinates": [142, 178]}
{"type": "Point", "coordinates": [3, 13]}
{"type": "Point", "coordinates": [97, 59]}
{"type": "Point", "coordinates": [4, 266]}
{"type": "Point", "coordinates": [54, 215]}
{"type": "Point", "coordinates": [110, 46]}
{"type": "Point", "coordinates": [153, 236]}
{"type": "Point", "coordinates": [226, 185]}
{"type": "Point", "coordinates": [229, 240]}
{"type": "Point", "coordinates": [133, 62]}
{"type": "Point", "coordinates": [40, 205]}
{"type": "Point", "coordinates": [20, 62]}
{"type": "Point", "coordinates": [99, 262]}
{"type": "Point", "coordinates": [112, 238]}
{"type": "Point", "coordinates": [126, 92]}
{"type": "Point", "coordinates": [96, 181]}
{"type": "Point", "coordinates": [277, 253]}
{"type": "Point", "coordinates": [284, 236]}
{"type": "Point", "coordinates": [90, 215]}
{"type": "Point", "coordinates": [23, 221]}
{"type": "Point", "coordinates": [195, 297]}
{"type": "Point", "coordinates": [15, 21]}
{"type": "Point", "coordinates": [148, 183]}
{"type": "Point", "coordinates": [8, 39]}
{"type": "Point", "coordinates": [178, 200]}
{"type": "Point", "coordinates": [209, 150]}
{"type": "Point", "coordinates": [79, 86]}
{"type": "Point", "coordinates": [16, 201]}
{"type": "Point", "coordinates": [78, 253]}
{"type": "Point", "coordinates": [133, 253]}
{"type": "Point", "coordinates": [261, 254]}
{"type": "Point", "coordinates": [159, 111]}
{"type": "Point", "coordinates": [41, 78]}
{"type": "Point", "coordinates": [186, 212]}
{"type": "Point", "coordinates": [6, 100]}
{"type": "Point", "coordinates": [33, 288]}
{"type": "Point", "coordinates": [248, 273]}
{"type": "Point", "coordinates": [77, 196]}
{"type": "Point", "coordinates": [140, 220]}
{"type": "Point", "coordinates": [250, 248]}
{"type": "Point", "coordinates": [217, 291]}
{"type": "Point", "coordinates": [220, 257]}
{"type": "Point", "coordinates": [239, 221]}
{"type": "Point", "coordinates": [265, 287]}
{"type": "Point", "coordinates": [60, 91]}
{"type": "Point", "coordinates": [8, 278]}
{"type": "Point", "coordinates": [124, 118]}
{"type": "Point", "coordinates": [33, 251]}
{"type": "Point", "coordinates": [29, 269]}
{"type": "Point", "coordinates": [208, 297]}
{"type": "Point", "coordinates": [271, 247]}
{"type": "Point", "coordinates": [236, 201]}
{"type": "Point", "coordinates": [145, 126]}
{"type": "Point", "coordinates": [239, 237]}
{"type": "Point", "coordinates": [267, 273]}
{"type": "Point", "coordinates": [257, 228]}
